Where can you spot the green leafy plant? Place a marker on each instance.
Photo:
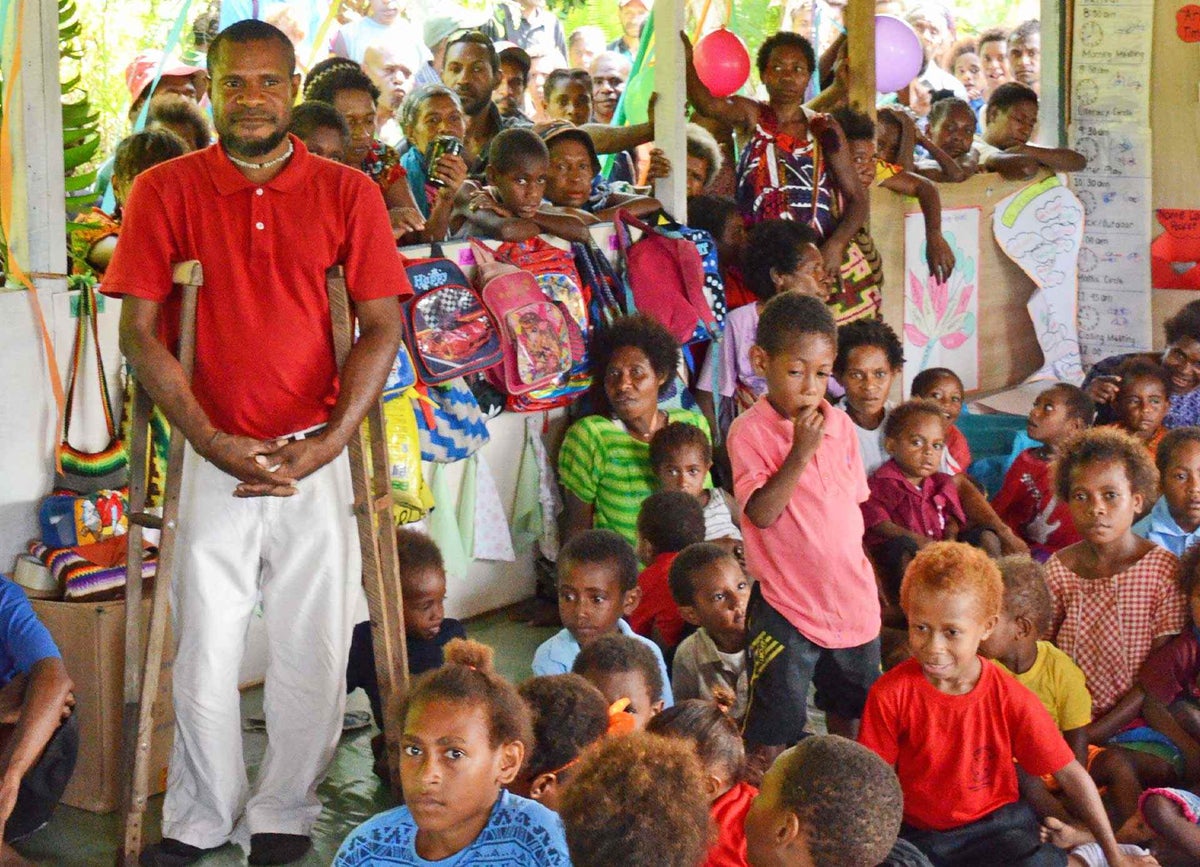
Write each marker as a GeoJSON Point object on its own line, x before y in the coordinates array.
{"type": "Point", "coordinates": [81, 124]}
{"type": "Point", "coordinates": [81, 130]}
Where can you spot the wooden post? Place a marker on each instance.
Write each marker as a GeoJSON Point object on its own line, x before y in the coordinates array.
{"type": "Point", "coordinates": [36, 244]}
{"type": "Point", "coordinates": [1054, 104]}
{"type": "Point", "coordinates": [39, 212]}
{"type": "Point", "coordinates": [670, 83]}
{"type": "Point", "coordinates": [860, 29]}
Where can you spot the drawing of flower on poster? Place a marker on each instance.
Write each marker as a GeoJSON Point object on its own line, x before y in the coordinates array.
{"type": "Point", "coordinates": [941, 327]}
{"type": "Point", "coordinates": [939, 311]}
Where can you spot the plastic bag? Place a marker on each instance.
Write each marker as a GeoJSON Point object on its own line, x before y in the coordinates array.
{"type": "Point", "coordinates": [411, 498]}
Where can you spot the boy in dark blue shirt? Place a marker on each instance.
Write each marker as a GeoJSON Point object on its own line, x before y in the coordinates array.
{"type": "Point", "coordinates": [426, 628]}
{"type": "Point", "coordinates": [39, 739]}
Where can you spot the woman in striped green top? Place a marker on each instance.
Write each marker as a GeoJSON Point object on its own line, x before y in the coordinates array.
{"type": "Point", "coordinates": [604, 464]}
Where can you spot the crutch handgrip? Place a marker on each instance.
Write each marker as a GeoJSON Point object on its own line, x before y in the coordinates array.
{"type": "Point", "coordinates": [146, 520]}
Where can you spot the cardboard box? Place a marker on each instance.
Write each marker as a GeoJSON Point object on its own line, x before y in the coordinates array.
{"type": "Point", "coordinates": [91, 637]}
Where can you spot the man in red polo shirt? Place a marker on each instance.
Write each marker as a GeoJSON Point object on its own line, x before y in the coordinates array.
{"type": "Point", "coordinates": [266, 503]}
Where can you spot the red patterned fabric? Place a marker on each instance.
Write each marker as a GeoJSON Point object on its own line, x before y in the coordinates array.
{"type": "Point", "coordinates": [1108, 624]}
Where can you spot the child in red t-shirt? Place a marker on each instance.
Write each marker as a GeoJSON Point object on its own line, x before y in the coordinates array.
{"type": "Point", "coordinates": [706, 724]}
{"type": "Point", "coordinates": [961, 803]}
{"type": "Point", "coordinates": [668, 522]}
{"type": "Point", "coordinates": [1026, 502]}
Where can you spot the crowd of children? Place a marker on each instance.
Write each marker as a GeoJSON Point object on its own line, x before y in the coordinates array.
{"type": "Point", "coordinates": [1066, 680]}
{"type": "Point", "coordinates": [1019, 671]}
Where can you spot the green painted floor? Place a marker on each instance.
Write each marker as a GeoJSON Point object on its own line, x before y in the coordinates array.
{"type": "Point", "coordinates": [351, 793]}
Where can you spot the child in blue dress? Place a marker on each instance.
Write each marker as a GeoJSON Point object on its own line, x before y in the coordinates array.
{"type": "Point", "coordinates": [466, 730]}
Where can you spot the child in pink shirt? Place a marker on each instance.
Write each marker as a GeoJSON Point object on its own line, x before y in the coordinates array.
{"type": "Point", "coordinates": [798, 476]}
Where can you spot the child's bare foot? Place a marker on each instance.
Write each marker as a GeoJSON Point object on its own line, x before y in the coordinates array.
{"type": "Point", "coordinates": [1062, 835]}
{"type": "Point", "coordinates": [1135, 830]}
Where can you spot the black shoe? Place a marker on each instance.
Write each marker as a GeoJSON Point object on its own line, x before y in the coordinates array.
{"type": "Point", "coordinates": [278, 848]}
{"type": "Point", "coordinates": [172, 853]}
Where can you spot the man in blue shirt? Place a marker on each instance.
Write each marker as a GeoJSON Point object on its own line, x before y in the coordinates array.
{"type": "Point", "coordinates": [38, 736]}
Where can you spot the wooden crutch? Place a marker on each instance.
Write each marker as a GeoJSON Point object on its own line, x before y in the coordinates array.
{"type": "Point", "coordinates": [142, 673]}
{"type": "Point", "coordinates": [371, 477]}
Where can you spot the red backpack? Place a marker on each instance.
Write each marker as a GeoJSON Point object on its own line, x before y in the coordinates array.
{"type": "Point", "coordinates": [535, 337]}
{"type": "Point", "coordinates": [666, 278]}
{"type": "Point", "coordinates": [446, 327]}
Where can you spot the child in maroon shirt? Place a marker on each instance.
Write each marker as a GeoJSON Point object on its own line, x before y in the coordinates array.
{"type": "Point", "coordinates": [911, 502]}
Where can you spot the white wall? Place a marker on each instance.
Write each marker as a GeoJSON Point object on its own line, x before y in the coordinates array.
{"type": "Point", "coordinates": [27, 410]}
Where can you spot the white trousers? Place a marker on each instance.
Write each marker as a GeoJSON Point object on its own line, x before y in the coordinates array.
{"type": "Point", "coordinates": [301, 554]}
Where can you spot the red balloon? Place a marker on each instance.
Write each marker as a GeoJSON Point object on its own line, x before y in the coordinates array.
{"type": "Point", "coordinates": [722, 62]}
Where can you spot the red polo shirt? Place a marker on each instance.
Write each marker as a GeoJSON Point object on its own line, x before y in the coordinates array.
{"type": "Point", "coordinates": [264, 344]}
{"type": "Point", "coordinates": [810, 563]}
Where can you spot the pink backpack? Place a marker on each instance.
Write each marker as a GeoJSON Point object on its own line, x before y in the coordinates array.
{"type": "Point", "coordinates": [535, 337]}
{"type": "Point", "coordinates": [666, 278]}
{"type": "Point", "coordinates": [556, 274]}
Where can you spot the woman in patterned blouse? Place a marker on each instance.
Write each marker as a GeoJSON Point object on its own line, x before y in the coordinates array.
{"type": "Point", "coordinates": [343, 84]}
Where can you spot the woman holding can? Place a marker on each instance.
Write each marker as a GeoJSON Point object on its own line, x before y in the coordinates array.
{"type": "Point", "coordinates": [433, 123]}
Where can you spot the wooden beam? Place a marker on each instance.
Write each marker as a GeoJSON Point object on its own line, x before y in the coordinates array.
{"type": "Point", "coordinates": [860, 29]}
{"type": "Point", "coordinates": [670, 133]}
{"type": "Point", "coordinates": [39, 214]}
{"type": "Point", "coordinates": [1054, 106]}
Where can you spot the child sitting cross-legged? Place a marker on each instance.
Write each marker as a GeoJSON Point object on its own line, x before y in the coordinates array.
{"type": "Point", "coordinates": [943, 387]}
{"type": "Point", "coordinates": [628, 675]}
{"type": "Point", "coordinates": [961, 805]}
{"type": "Point", "coordinates": [681, 457]}
{"type": "Point", "coordinates": [511, 207]}
{"type": "Point", "coordinates": [912, 503]}
{"type": "Point", "coordinates": [813, 617]}
{"type": "Point", "coordinates": [1116, 599]}
{"type": "Point", "coordinates": [1026, 501]}
{"type": "Point", "coordinates": [569, 714]}
{"type": "Point", "coordinates": [1174, 522]}
{"type": "Point", "coordinates": [830, 802]}
{"type": "Point", "coordinates": [637, 800]}
{"type": "Point", "coordinates": [707, 726]}
{"type": "Point", "coordinates": [465, 731]}
{"type": "Point", "coordinates": [1054, 678]}
{"type": "Point", "coordinates": [712, 592]}
{"type": "Point", "coordinates": [427, 629]}
{"type": "Point", "coordinates": [597, 585]}
{"type": "Point", "coordinates": [668, 522]}
{"type": "Point", "coordinates": [1142, 401]}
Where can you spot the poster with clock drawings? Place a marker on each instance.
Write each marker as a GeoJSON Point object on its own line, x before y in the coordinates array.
{"type": "Point", "coordinates": [1110, 114]}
